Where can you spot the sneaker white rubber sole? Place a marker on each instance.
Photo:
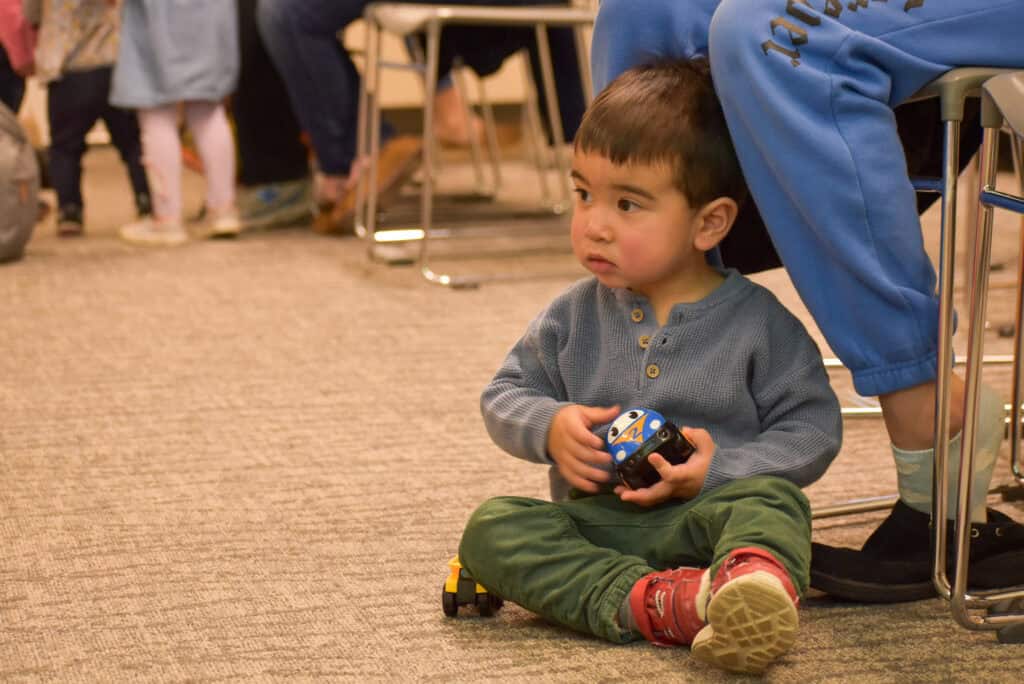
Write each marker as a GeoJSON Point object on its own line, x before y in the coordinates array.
{"type": "Point", "coordinates": [225, 227]}
{"type": "Point", "coordinates": [150, 233]}
{"type": "Point", "coordinates": [751, 622]}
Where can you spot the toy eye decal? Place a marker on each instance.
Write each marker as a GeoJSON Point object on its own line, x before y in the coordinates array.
{"type": "Point", "coordinates": [634, 414]}
{"type": "Point", "coordinates": [614, 432]}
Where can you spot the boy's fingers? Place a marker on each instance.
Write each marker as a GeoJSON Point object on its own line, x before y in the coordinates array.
{"type": "Point", "coordinates": [600, 414]}
{"type": "Point", "coordinates": [663, 467]}
{"type": "Point", "coordinates": [701, 438]}
{"type": "Point", "coordinates": [581, 483]}
{"type": "Point", "coordinates": [648, 496]}
{"type": "Point", "coordinates": [583, 435]}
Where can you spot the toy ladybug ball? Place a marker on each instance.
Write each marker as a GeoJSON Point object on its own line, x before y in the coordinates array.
{"type": "Point", "coordinates": [634, 436]}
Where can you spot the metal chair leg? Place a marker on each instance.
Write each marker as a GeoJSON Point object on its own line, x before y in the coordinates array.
{"type": "Point", "coordinates": [961, 602]}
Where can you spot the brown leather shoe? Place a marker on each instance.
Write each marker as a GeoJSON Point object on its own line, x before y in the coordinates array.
{"type": "Point", "coordinates": [399, 158]}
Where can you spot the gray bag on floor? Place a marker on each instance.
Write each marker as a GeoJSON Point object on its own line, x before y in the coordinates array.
{"type": "Point", "coordinates": [19, 187]}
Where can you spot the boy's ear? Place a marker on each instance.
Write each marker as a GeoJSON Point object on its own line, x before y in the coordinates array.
{"type": "Point", "coordinates": [714, 220]}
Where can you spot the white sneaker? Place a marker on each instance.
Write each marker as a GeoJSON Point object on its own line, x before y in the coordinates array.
{"type": "Point", "coordinates": [153, 233]}
{"type": "Point", "coordinates": [228, 224]}
{"type": "Point", "coordinates": [222, 223]}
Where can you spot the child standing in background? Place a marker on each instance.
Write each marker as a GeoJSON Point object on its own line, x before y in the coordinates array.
{"type": "Point", "coordinates": [180, 52]}
{"type": "Point", "coordinates": [74, 57]}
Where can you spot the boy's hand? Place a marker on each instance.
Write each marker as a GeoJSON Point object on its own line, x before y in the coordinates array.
{"type": "Point", "coordinates": [682, 481]}
{"type": "Point", "coordinates": [576, 450]}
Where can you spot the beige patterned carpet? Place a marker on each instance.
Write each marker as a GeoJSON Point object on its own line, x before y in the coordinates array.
{"type": "Point", "coordinates": [250, 460]}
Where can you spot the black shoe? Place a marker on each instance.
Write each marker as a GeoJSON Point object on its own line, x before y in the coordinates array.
{"type": "Point", "coordinates": [894, 564]}
{"type": "Point", "coordinates": [69, 221]}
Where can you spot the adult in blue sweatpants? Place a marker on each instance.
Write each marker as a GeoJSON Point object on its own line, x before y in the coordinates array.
{"type": "Point", "coordinates": [808, 88]}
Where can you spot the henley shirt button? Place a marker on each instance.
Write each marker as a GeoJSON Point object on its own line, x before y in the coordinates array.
{"type": "Point", "coordinates": [645, 341]}
{"type": "Point", "coordinates": [653, 371]}
{"type": "Point", "coordinates": [637, 315]}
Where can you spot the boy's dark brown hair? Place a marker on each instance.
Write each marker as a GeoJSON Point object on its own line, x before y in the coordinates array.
{"type": "Point", "coordinates": [667, 113]}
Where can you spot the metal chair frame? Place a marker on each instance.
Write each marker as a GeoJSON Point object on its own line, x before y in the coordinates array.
{"type": "Point", "coordinates": [1002, 98]}
{"type": "Point", "coordinates": [952, 89]}
{"type": "Point", "coordinates": [404, 19]}
{"type": "Point", "coordinates": [1005, 608]}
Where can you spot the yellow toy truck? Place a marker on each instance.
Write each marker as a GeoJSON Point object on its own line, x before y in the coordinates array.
{"type": "Point", "coordinates": [462, 590]}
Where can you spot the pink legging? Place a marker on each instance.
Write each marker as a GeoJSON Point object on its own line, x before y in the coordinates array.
{"type": "Point", "coordinates": [161, 149]}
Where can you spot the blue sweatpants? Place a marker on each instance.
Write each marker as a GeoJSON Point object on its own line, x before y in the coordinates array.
{"type": "Point", "coordinates": [808, 88]}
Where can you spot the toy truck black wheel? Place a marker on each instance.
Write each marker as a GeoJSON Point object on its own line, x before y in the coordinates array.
{"type": "Point", "coordinates": [488, 604]}
{"type": "Point", "coordinates": [449, 603]}
{"type": "Point", "coordinates": [483, 604]}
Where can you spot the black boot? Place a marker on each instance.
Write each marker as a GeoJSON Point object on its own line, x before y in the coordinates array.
{"type": "Point", "coordinates": [894, 564]}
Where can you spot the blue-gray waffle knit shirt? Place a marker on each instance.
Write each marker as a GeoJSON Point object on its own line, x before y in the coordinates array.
{"type": "Point", "coordinates": [737, 363]}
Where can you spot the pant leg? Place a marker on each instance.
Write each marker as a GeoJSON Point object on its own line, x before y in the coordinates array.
{"type": "Point", "coordinates": [12, 86]}
{"type": "Point", "coordinates": [815, 133]}
{"type": "Point", "coordinates": [270, 148]}
{"type": "Point", "coordinates": [767, 512]}
{"type": "Point", "coordinates": [74, 106]}
{"type": "Point", "coordinates": [123, 126]}
{"type": "Point", "coordinates": [322, 82]}
{"type": "Point", "coordinates": [575, 562]}
{"type": "Point", "coordinates": [628, 33]}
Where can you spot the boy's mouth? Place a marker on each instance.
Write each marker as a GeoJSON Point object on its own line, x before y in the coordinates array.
{"type": "Point", "coordinates": [599, 264]}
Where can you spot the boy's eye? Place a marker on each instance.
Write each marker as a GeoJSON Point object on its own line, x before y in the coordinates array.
{"type": "Point", "coordinates": [583, 194]}
{"type": "Point", "coordinates": [627, 205]}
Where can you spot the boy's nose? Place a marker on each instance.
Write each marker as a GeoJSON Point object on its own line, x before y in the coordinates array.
{"type": "Point", "coordinates": [598, 228]}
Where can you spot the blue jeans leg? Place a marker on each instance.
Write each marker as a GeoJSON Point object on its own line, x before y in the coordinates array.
{"type": "Point", "coordinates": [323, 84]}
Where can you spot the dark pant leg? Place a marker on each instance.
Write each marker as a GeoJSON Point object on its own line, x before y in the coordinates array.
{"type": "Point", "coordinates": [74, 106]}
{"type": "Point", "coordinates": [270, 148]}
{"type": "Point", "coordinates": [123, 126]}
{"type": "Point", "coordinates": [322, 81]}
{"type": "Point", "coordinates": [12, 86]}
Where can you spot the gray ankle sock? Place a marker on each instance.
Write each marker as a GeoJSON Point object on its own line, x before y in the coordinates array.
{"type": "Point", "coordinates": [914, 468]}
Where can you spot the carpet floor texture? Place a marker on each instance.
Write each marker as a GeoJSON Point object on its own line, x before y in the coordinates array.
{"type": "Point", "coordinates": [251, 459]}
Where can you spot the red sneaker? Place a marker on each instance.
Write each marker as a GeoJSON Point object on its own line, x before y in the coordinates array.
{"type": "Point", "coordinates": [668, 606]}
{"type": "Point", "coordinates": [751, 616]}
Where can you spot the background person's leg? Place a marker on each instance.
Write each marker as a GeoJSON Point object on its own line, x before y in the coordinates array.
{"type": "Point", "coordinates": [209, 126]}
{"type": "Point", "coordinates": [123, 126]}
{"type": "Point", "coordinates": [322, 81]}
{"type": "Point", "coordinates": [270, 148]}
{"type": "Point", "coordinates": [72, 110]}
{"type": "Point", "coordinates": [625, 37]}
{"type": "Point", "coordinates": [161, 154]}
